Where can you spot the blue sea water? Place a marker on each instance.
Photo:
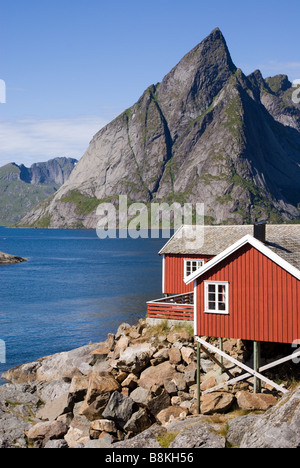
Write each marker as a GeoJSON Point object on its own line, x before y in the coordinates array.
{"type": "Point", "coordinates": [74, 289]}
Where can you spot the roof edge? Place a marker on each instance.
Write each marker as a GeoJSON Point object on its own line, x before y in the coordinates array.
{"type": "Point", "coordinates": [248, 239]}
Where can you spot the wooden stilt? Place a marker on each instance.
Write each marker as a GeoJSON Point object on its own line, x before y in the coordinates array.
{"type": "Point", "coordinates": [256, 362]}
{"type": "Point", "coordinates": [221, 358]}
{"type": "Point", "coordinates": [198, 378]}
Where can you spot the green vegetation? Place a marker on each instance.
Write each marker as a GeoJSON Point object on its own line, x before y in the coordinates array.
{"type": "Point", "coordinates": [275, 82]}
{"type": "Point", "coordinates": [166, 440]}
{"type": "Point", "coordinates": [84, 205]}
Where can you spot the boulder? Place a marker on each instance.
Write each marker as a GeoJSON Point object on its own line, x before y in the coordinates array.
{"type": "Point", "coordinates": [278, 428]}
{"type": "Point", "coordinates": [159, 402]}
{"type": "Point", "coordinates": [174, 356]}
{"type": "Point", "coordinates": [255, 401]}
{"type": "Point", "coordinates": [217, 402]}
{"type": "Point", "coordinates": [208, 383]}
{"type": "Point", "coordinates": [122, 330]}
{"type": "Point", "coordinates": [141, 396]}
{"type": "Point", "coordinates": [237, 427]}
{"type": "Point", "coordinates": [100, 383]}
{"type": "Point", "coordinates": [53, 409]}
{"type": "Point", "coordinates": [198, 436]}
{"type": "Point", "coordinates": [119, 409]}
{"type": "Point", "coordinates": [99, 355]}
{"type": "Point", "coordinates": [170, 414]}
{"type": "Point", "coordinates": [156, 376]}
{"type": "Point", "coordinates": [188, 355]}
{"type": "Point", "coordinates": [139, 421]}
{"type": "Point", "coordinates": [130, 381]}
{"type": "Point", "coordinates": [103, 443]}
{"type": "Point", "coordinates": [180, 336]}
{"type": "Point", "coordinates": [144, 440]}
{"type": "Point", "coordinates": [135, 358]}
{"type": "Point", "coordinates": [56, 444]}
{"type": "Point", "coordinates": [41, 433]}
{"type": "Point", "coordinates": [103, 425]}
{"type": "Point", "coordinates": [120, 347]}
{"type": "Point", "coordinates": [79, 430]}
{"type": "Point", "coordinates": [79, 386]}
{"type": "Point", "coordinates": [95, 410]}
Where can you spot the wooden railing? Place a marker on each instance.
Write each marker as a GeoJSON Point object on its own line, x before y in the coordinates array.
{"type": "Point", "coordinates": [180, 307]}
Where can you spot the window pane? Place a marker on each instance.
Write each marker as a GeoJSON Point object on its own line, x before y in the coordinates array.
{"type": "Point", "coordinates": [212, 306]}
{"type": "Point", "coordinates": [222, 306]}
{"type": "Point", "coordinates": [212, 288]}
{"type": "Point", "coordinates": [211, 297]}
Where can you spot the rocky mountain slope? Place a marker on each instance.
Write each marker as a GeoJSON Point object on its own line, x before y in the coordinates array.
{"type": "Point", "coordinates": [207, 133]}
{"type": "Point", "coordinates": [22, 188]}
{"type": "Point", "coordinates": [137, 390]}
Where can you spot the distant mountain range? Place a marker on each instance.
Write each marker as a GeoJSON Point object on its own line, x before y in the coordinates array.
{"type": "Point", "coordinates": [23, 188]}
{"type": "Point", "coordinates": [207, 133]}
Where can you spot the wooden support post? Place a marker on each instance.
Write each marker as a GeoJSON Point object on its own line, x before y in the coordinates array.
{"type": "Point", "coordinates": [256, 362]}
{"type": "Point", "coordinates": [221, 357]}
{"type": "Point", "coordinates": [198, 379]}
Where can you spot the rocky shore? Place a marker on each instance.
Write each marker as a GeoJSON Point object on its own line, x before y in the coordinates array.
{"type": "Point", "coordinates": [138, 390]}
{"type": "Point", "coordinates": [6, 259]}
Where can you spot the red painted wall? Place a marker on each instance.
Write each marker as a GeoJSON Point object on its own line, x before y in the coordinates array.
{"type": "Point", "coordinates": [174, 273]}
{"type": "Point", "coordinates": [264, 300]}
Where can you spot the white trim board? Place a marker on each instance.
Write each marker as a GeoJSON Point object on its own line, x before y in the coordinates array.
{"type": "Point", "coordinates": [260, 246]}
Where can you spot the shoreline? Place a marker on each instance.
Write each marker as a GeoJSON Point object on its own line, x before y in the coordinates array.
{"type": "Point", "coordinates": [135, 390]}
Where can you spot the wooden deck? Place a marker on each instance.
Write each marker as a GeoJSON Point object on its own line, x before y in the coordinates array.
{"type": "Point", "coordinates": [179, 307]}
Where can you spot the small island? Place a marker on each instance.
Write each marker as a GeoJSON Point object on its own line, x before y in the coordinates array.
{"type": "Point", "coordinates": [6, 259]}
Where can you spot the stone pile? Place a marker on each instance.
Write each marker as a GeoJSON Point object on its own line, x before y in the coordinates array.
{"type": "Point", "coordinates": [102, 394]}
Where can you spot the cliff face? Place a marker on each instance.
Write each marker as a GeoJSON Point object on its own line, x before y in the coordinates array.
{"type": "Point", "coordinates": [22, 188]}
{"type": "Point", "coordinates": [206, 133]}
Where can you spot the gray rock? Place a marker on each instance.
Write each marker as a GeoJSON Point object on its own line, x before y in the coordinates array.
{"type": "Point", "coordinates": [279, 427]}
{"type": "Point", "coordinates": [145, 440]}
{"type": "Point", "coordinates": [198, 436]}
{"type": "Point", "coordinates": [237, 427]}
{"type": "Point", "coordinates": [53, 409]}
{"type": "Point", "coordinates": [104, 443]}
{"type": "Point", "coordinates": [56, 444]}
{"type": "Point", "coordinates": [119, 409]}
{"type": "Point", "coordinates": [139, 421]}
{"type": "Point", "coordinates": [141, 396]}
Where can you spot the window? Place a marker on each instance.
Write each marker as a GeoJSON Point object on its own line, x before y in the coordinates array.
{"type": "Point", "coordinates": [191, 265]}
{"type": "Point", "coordinates": [216, 298]}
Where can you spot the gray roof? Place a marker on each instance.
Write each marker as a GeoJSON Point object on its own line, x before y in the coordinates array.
{"type": "Point", "coordinates": [283, 239]}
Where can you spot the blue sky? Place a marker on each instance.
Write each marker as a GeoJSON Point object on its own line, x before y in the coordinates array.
{"type": "Point", "coordinates": [70, 66]}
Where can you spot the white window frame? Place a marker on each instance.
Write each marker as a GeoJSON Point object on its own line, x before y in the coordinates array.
{"type": "Point", "coordinates": [198, 260]}
{"type": "Point", "coordinates": [206, 293]}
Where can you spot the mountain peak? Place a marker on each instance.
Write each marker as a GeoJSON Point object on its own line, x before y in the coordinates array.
{"type": "Point", "coordinates": [206, 133]}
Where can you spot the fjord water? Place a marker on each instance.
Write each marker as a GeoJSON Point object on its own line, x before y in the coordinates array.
{"type": "Point", "coordinates": [74, 289]}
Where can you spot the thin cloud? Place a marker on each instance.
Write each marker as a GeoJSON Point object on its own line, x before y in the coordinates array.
{"type": "Point", "coordinates": [32, 140]}
{"type": "Point", "coordinates": [274, 67]}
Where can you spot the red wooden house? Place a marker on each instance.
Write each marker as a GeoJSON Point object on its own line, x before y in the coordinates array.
{"type": "Point", "coordinates": [237, 282]}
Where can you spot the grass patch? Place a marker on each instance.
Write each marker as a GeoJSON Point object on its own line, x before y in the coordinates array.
{"type": "Point", "coordinates": [166, 440]}
{"type": "Point", "coordinates": [84, 205]}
